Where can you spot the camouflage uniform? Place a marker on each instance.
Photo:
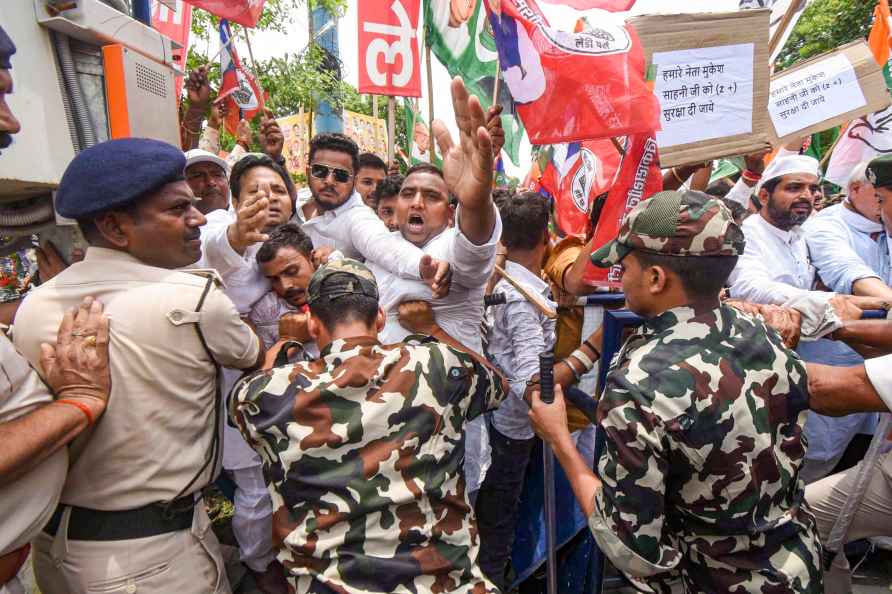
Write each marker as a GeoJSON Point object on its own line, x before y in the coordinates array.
{"type": "Point", "coordinates": [703, 412]}
{"type": "Point", "coordinates": [362, 452]}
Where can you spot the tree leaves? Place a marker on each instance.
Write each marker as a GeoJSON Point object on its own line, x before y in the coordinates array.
{"type": "Point", "coordinates": [824, 26]}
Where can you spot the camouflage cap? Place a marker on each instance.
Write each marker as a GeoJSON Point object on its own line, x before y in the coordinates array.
{"type": "Point", "coordinates": [879, 171]}
{"type": "Point", "coordinates": [341, 278]}
{"type": "Point", "coordinates": [675, 224]}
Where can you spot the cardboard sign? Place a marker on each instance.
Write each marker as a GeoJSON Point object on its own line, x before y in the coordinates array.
{"type": "Point", "coordinates": [704, 93]}
{"type": "Point", "coordinates": [826, 91]}
{"type": "Point", "coordinates": [388, 48]}
{"type": "Point", "coordinates": [710, 75]}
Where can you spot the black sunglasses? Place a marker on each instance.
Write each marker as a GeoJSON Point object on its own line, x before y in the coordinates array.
{"type": "Point", "coordinates": [323, 171]}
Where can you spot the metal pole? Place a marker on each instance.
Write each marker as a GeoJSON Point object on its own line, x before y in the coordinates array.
{"type": "Point", "coordinates": [325, 30]}
{"type": "Point", "coordinates": [391, 131]}
{"type": "Point", "coordinates": [546, 383]}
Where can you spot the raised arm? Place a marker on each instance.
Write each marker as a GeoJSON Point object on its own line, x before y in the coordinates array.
{"type": "Point", "coordinates": [468, 165]}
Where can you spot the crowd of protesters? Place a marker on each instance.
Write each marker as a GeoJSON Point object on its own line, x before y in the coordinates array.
{"type": "Point", "coordinates": [328, 352]}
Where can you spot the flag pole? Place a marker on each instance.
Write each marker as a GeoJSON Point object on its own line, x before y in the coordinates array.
{"type": "Point", "coordinates": [375, 106]}
{"type": "Point", "coordinates": [619, 148]}
{"type": "Point", "coordinates": [826, 158]}
{"type": "Point", "coordinates": [250, 52]}
{"type": "Point", "coordinates": [220, 51]}
{"type": "Point", "coordinates": [391, 132]}
{"type": "Point", "coordinates": [782, 27]}
{"type": "Point", "coordinates": [430, 103]}
{"type": "Point", "coordinates": [495, 86]}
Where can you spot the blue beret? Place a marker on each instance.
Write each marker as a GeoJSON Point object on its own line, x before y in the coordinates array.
{"type": "Point", "coordinates": [7, 49]}
{"type": "Point", "coordinates": [116, 173]}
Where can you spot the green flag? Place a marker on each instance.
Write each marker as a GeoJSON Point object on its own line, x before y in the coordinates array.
{"type": "Point", "coordinates": [418, 135]}
{"type": "Point", "coordinates": [822, 142]}
{"type": "Point", "coordinates": [464, 44]}
{"type": "Point", "coordinates": [726, 168]}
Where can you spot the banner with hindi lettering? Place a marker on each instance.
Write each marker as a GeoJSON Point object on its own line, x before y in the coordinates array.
{"type": "Point", "coordinates": [388, 47]}
{"type": "Point", "coordinates": [638, 179]}
{"type": "Point", "coordinates": [709, 72]}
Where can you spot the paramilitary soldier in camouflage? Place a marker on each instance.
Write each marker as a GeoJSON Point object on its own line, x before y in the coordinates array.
{"type": "Point", "coordinates": [362, 450]}
{"type": "Point", "coordinates": [703, 410]}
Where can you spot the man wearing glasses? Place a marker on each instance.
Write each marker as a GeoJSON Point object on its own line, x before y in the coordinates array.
{"type": "Point", "coordinates": [336, 217]}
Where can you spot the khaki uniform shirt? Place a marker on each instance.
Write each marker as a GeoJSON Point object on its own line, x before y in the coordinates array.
{"type": "Point", "coordinates": [158, 427]}
{"type": "Point", "coordinates": [27, 503]}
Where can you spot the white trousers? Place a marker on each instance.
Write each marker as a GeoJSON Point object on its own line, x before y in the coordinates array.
{"type": "Point", "coordinates": [873, 518]}
{"type": "Point", "coordinates": [252, 522]}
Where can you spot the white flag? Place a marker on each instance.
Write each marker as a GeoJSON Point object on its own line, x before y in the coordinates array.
{"type": "Point", "coordinates": [865, 138]}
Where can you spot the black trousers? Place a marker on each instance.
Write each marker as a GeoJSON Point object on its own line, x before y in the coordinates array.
{"type": "Point", "coordinates": [498, 501]}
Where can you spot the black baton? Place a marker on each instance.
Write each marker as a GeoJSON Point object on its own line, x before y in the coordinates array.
{"type": "Point", "coordinates": [546, 377]}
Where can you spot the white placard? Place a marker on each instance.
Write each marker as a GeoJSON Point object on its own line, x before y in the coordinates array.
{"type": "Point", "coordinates": [704, 93]}
{"type": "Point", "coordinates": [819, 92]}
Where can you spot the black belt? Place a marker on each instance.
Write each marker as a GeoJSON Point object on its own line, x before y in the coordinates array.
{"type": "Point", "coordinates": [149, 520]}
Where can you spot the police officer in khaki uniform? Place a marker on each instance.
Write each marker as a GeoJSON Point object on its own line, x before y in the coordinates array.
{"type": "Point", "coordinates": [131, 517]}
{"type": "Point", "coordinates": [35, 427]}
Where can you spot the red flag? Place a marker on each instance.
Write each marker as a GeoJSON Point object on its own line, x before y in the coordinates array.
{"type": "Point", "coordinates": [583, 171]}
{"type": "Point", "coordinates": [639, 178]}
{"type": "Point", "coordinates": [175, 23]}
{"type": "Point", "coordinates": [611, 5]}
{"type": "Point", "coordinates": [243, 12]}
{"type": "Point", "coordinates": [388, 47]}
{"type": "Point", "coordinates": [238, 87]}
{"type": "Point", "coordinates": [571, 85]}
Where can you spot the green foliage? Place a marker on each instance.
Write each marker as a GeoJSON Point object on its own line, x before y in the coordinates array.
{"type": "Point", "coordinates": [825, 25]}
{"type": "Point", "coordinates": [293, 80]}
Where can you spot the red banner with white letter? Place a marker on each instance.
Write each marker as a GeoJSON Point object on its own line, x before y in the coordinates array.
{"type": "Point", "coordinates": [174, 19]}
{"type": "Point", "coordinates": [639, 178]}
{"type": "Point", "coordinates": [243, 12]}
{"type": "Point", "coordinates": [388, 47]}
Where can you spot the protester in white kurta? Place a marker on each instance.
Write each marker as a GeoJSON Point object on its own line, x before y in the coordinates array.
{"type": "Point", "coordinates": [775, 268]}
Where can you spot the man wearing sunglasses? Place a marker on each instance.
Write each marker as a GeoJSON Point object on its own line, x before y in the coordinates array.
{"type": "Point", "coordinates": [336, 217]}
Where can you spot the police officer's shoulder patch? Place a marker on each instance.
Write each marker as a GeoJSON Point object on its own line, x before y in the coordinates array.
{"type": "Point", "coordinates": [208, 273]}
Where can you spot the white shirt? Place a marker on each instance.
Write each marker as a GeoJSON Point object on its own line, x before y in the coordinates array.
{"type": "Point", "coordinates": [518, 334]}
{"type": "Point", "coordinates": [845, 247]}
{"type": "Point", "coordinates": [459, 313]}
{"type": "Point", "coordinates": [775, 265]}
{"type": "Point", "coordinates": [244, 283]}
{"type": "Point", "coordinates": [356, 231]}
{"type": "Point", "coordinates": [740, 193]}
{"type": "Point", "coordinates": [27, 503]}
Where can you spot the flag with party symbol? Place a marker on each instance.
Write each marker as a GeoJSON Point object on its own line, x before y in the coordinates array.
{"type": "Point", "coordinates": [238, 88]}
{"type": "Point", "coordinates": [459, 37]}
{"type": "Point", "coordinates": [570, 84]}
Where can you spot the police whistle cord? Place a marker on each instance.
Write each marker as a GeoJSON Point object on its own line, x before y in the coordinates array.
{"type": "Point", "coordinates": [837, 538]}
{"type": "Point", "coordinates": [546, 394]}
